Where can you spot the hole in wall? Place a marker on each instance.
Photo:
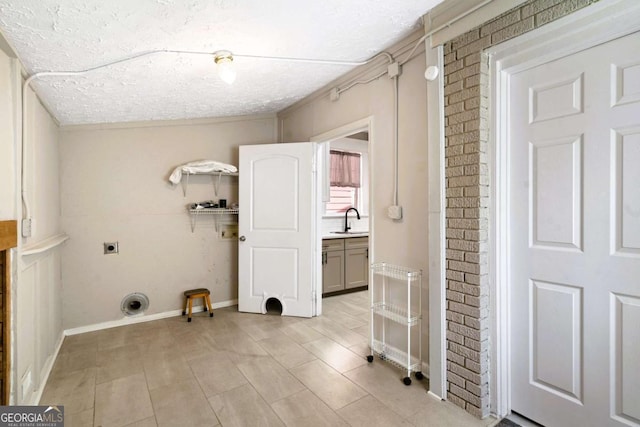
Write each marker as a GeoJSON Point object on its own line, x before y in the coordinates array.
{"type": "Point", "coordinates": [273, 307]}
{"type": "Point", "coordinates": [134, 304]}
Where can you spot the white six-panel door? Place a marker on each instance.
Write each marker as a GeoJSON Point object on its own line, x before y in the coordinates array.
{"type": "Point", "coordinates": [277, 227]}
{"type": "Point", "coordinates": [574, 212]}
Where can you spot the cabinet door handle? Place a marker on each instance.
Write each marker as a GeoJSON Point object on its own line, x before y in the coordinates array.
{"type": "Point", "coordinates": [366, 254]}
{"type": "Point", "coordinates": [324, 258]}
{"type": "Point", "coordinates": [242, 238]}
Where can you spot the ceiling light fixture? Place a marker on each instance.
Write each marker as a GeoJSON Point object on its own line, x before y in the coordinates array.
{"type": "Point", "coordinates": [224, 61]}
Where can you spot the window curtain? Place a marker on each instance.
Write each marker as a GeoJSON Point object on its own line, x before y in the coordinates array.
{"type": "Point", "coordinates": [345, 169]}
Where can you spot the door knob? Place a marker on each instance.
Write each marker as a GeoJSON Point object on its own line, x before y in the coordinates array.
{"type": "Point", "coordinates": [242, 238]}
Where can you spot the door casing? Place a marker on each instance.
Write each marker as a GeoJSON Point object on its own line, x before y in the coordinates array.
{"type": "Point", "coordinates": [581, 30]}
{"type": "Point", "coordinates": [365, 124]}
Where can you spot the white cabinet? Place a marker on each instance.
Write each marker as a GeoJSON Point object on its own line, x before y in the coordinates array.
{"type": "Point", "coordinates": [396, 313]}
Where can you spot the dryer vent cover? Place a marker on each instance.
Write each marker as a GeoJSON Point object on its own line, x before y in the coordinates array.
{"type": "Point", "coordinates": [134, 304]}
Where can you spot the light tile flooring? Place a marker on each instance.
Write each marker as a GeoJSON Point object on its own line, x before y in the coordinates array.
{"type": "Point", "coordinates": [239, 369]}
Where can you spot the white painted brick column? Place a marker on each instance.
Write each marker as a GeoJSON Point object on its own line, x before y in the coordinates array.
{"type": "Point", "coordinates": [467, 187]}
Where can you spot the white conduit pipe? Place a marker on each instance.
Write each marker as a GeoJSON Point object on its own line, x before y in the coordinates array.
{"type": "Point", "coordinates": [443, 26]}
{"type": "Point", "coordinates": [396, 115]}
{"type": "Point", "coordinates": [377, 76]}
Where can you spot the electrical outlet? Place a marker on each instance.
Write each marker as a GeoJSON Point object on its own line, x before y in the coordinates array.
{"type": "Point", "coordinates": [27, 227]}
{"type": "Point", "coordinates": [228, 232]}
{"type": "Point", "coordinates": [111, 248]}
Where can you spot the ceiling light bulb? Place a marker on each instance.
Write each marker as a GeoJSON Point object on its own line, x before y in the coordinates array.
{"type": "Point", "coordinates": [226, 72]}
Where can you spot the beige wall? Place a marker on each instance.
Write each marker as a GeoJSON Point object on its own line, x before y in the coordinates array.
{"type": "Point", "coordinates": [43, 171]}
{"type": "Point", "coordinates": [114, 187]}
{"type": "Point", "coordinates": [398, 242]}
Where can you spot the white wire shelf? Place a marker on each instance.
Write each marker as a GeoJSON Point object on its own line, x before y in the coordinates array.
{"type": "Point", "coordinates": [389, 301]}
{"type": "Point", "coordinates": [395, 271]}
{"type": "Point", "coordinates": [216, 182]}
{"type": "Point", "coordinates": [195, 213]}
{"type": "Point", "coordinates": [396, 313]}
{"type": "Point", "coordinates": [213, 211]}
{"type": "Point", "coordinates": [396, 356]}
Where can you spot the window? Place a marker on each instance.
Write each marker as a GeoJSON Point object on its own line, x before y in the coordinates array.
{"type": "Point", "coordinates": [344, 191]}
{"type": "Point", "coordinates": [341, 199]}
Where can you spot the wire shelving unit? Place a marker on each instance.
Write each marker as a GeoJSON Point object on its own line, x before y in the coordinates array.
{"type": "Point", "coordinates": [397, 307]}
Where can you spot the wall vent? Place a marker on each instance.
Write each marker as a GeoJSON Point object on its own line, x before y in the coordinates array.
{"type": "Point", "coordinates": [134, 304]}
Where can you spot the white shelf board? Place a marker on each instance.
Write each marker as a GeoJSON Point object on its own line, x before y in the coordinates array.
{"type": "Point", "coordinates": [396, 313]}
{"type": "Point", "coordinates": [44, 245]}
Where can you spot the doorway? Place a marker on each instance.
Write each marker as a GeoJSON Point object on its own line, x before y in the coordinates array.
{"type": "Point", "coordinates": [357, 138]}
{"type": "Point", "coordinates": [566, 259]}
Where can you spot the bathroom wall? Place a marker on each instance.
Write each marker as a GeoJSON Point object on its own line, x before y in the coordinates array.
{"type": "Point", "coordinates": [115, 188]}
{"type": "Point", "coordinates": [402, 242]}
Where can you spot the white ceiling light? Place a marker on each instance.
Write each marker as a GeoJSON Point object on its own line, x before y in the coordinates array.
{"type": "Point", "coordinates": [226, 71]}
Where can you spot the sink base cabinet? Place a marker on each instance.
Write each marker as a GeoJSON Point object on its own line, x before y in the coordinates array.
{"type": "Point", "coordinates": [333, 271]}
{"type": "Point", "coordinates": [345, 265]}
{"type": "Point", "coordinates": [356, 259]}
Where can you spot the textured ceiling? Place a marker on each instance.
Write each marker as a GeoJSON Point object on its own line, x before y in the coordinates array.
{"type": "Point", "coordinates": [69, 35]}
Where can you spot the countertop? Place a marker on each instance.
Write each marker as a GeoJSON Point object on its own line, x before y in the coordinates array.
{"type": "Point", "coordinates": [344, 236]}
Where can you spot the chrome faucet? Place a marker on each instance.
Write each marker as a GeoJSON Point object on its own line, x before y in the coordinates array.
{"type": "Point", "coordinates": [346, 224]}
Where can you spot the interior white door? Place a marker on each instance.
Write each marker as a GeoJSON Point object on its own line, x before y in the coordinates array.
{"type": "Point", "coordinates": [574, 212]}
{"type": "Point", "coordinates": [278, 252]}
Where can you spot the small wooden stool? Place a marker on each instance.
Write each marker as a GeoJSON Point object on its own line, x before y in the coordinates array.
{"type": "Point", "coordinates": [197, 293]}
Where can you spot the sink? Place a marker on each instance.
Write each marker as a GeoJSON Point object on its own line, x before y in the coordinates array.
{"type": "Point", "coordinates": [350, 232]}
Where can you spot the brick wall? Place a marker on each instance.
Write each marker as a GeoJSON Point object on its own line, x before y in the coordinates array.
{"type": "Point", "coordinates": [467, 184]}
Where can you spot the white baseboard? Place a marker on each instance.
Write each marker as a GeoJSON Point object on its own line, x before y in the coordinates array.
{"type": "Point", "coordinates": [141, 318]}
{"type": "Point", "coordinates": [48, 369]}
{"type": "Point", "coordinates": [433, 395]}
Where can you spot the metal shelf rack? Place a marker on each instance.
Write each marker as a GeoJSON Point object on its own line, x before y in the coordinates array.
{"type": "Point", "coordinates": [217, 176]}
{"type": "Point", "coordinates": [386, 306]}
{"type": "Point", "coordinates": [218, 212]}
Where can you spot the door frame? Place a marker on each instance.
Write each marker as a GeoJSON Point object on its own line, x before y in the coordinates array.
{"type": "Point", "coordinates": [365, 124]}
{"type": "Point", "coordinates": [434, 56]}
{"type": "Point", "coordinates": [579, 31]}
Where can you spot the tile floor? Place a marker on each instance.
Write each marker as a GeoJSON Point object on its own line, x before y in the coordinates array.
{"type": "Point", "coordinates": [239, 369]}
